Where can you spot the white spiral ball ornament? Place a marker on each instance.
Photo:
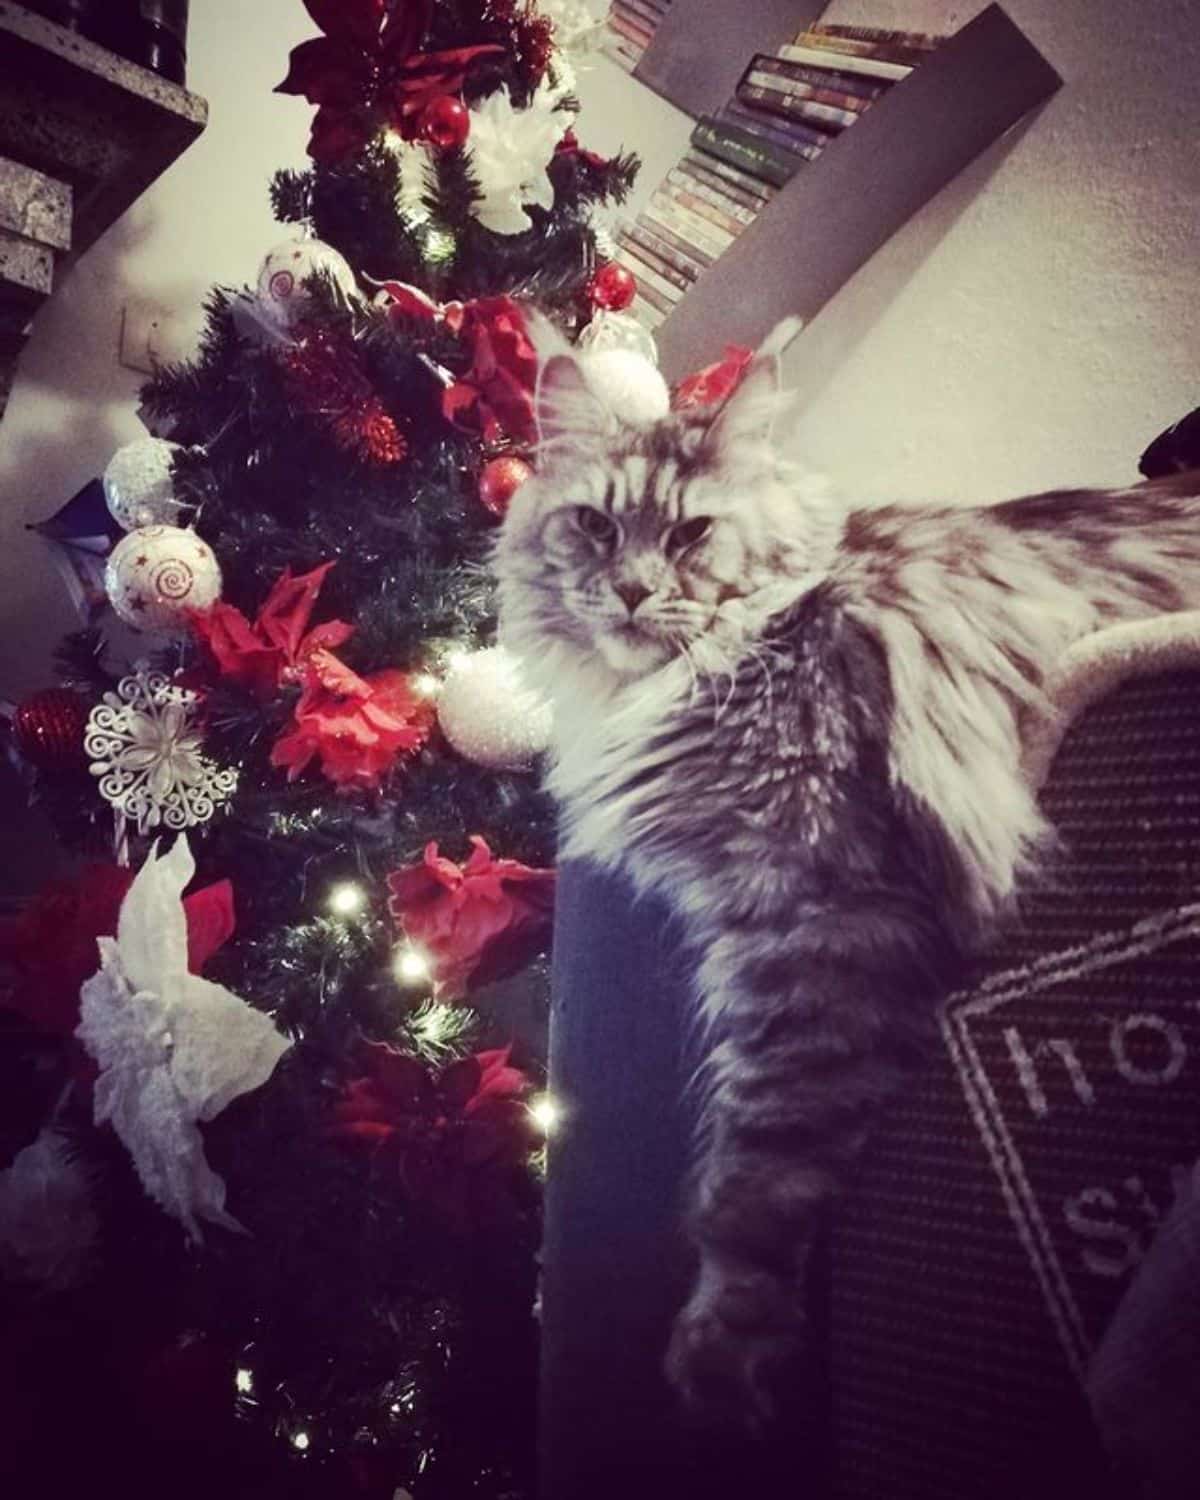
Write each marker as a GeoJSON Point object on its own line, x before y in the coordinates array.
{"type": "Point", "coordinates": [489, 714]}
{"type": "Point", "coordinates": [138, 484]}
{"type": "Point", "coordinates": [158, 574]}
{"type": "Point", "coordinates": [282, 276]}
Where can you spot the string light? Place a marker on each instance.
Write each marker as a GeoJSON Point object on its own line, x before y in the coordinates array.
{"type": "Point", "coordinates": [438, 246]}
{"type": "Point", "coordinates": [410, 966]}
{"type": "Point", "coordinates": [347, 899]}
{"type": "Point", "coordinates": [455, 658]}
{"type": "Point", "coordinates": [300, 1440]}
{"type": "Point", "coordinates": [244, 1381]}
{"type": "Point", "coordinates": [426, 685]}
{"type": "Point", "coordinates": [546, 1113]}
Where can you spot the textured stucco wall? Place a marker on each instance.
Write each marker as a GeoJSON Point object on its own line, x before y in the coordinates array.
{"type": "Point", "coordinates": [1035, 325]}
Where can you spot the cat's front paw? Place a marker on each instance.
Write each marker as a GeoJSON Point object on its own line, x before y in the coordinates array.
{"type": "Point", "coordinates": [729, 1345]}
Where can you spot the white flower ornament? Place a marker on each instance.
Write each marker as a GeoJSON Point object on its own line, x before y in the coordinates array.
{"type": "Point", "coordinates": [172, 1048]}
{"type": "Point", "coordinates": [511, 150]}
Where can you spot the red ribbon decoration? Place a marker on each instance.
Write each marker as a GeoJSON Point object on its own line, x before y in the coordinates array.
{"type": "Point", "coordinates": [714, 382]}
{"type": "Point", "coordinates": [366, 71]}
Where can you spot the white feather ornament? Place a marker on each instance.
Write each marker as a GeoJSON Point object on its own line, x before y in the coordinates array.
{"type": "Point", "coordinates": [173, 1049]}
{"type": "Point", "coordinates": [48, 1218]}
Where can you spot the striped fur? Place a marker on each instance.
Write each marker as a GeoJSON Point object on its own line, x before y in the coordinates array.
{"type": "Point", "coordinates": [806, 729]}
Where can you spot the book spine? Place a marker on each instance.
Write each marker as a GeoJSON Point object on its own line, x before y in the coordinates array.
{"type": "Point", "coordinates": [704, 238]}
{"type": "Point", "coordinates": [653, 287]}
{"type": "Point", "coordinates": [654, 222]}
{"type": "Point", "coordinates": [920, 41]}
{"type": "Point", "coordinates": [663, 268]}
{"type": "Point", "coordinates": [845, 62]}
{"type": "Point", "coordinates": [772, 92]}
{"type": "Point", "coordinates": [687, 264]}
{"type": "Point", "coordinates": [754, 186]}
{"type": "Point", "coordinates": [827, 117]}
{"type": "Point", "coordinates": [637, 35]}
{"type": "Point", "coordinates": [645, 14]}
{"type": "Point", "coordinates": [701, 169]}
{"type": "Point", "coordinates": [802, 136]}
{"type": "Point", "coordinates": [855, 84]}
{"type": "Point", "coordinates": [736, 212]}
{"type": "Point", "coordinates": [746, 151]}
{"type": "Point", "coordinates": [704, 210]}
{"type": "Point", "coordinates": [869, 51]}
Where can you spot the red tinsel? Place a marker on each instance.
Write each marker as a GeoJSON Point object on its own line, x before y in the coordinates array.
{"type": "Point", "coordinates": [714, 382]}
{"type": "Point", "coordinates": [322, 376]}
{"type": "Point", "coordinates": [51, 946]}
{"type": "Point", "coordinates": [475, 922]}
{"type": "Point", "coordinates": [275, 648]}
{"type": "Point", "coordinates": [366, 71]}
{"type": "Point", "coordinates": [533, 43]}
{"type": "Point", "coordinates": [494, 398]}
{"type": "Point", "coordinates": [455, 1136]}
{"type": "Point", "coordinates": [356, 726]}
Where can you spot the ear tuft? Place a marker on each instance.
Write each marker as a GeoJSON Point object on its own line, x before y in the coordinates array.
{"type": "Point", "coordinates": [747, 419]}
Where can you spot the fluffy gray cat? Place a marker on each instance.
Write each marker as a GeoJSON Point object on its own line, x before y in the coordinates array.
{"type": "Point", "coordinates": [802, 723]}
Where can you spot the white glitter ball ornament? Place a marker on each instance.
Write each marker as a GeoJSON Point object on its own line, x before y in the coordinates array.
{"type": "Point", "coordinates": [138, 485]}
{"type": "Point", "coordinates": [630, 386]}
{"type": "Point", "coordinates": [158, 574]}
{"type": "Point", "coordinates": [490, 716]}
{"type": "Point", "coordinates": [614, 330]}
{"type": "Point", "coordinates": [281, 279]}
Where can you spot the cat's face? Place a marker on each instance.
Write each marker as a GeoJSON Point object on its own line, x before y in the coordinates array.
{"type": "Point", "coordinates": [631, 540]}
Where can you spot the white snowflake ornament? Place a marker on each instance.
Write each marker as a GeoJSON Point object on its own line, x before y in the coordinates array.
{"type": "Point", "coordinates": [510, 151]}
{"type": "Point", "coordinates": [173, 1049]}
{"type": "Point", "coordinates": [145, 744]}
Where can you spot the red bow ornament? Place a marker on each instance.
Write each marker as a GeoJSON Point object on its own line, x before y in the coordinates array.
{"type": "Point", "coordinates": [715, 382]}
{"type": "Point", "coordinates": [494, 398]}
{"type": "Point", "coordinates": [275, 648]}
{"type": "Point", "coordinates": [365, 71]}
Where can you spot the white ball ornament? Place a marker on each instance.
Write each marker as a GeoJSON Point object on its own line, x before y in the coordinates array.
{"type": "Point", "coordinates": [138, 486]}
{"type": "Point", "coordinates": [282, 277]}
{"type": "Point", "coordinates": [616, 330]}
{"type": "Point", "coordinates": [156, 575]}
{"type": "Point", "coordinates": [489, 714]}
{"type": "Point", "coordinates": [630, 386]}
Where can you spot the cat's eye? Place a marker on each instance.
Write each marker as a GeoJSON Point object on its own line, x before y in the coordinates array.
{"type": "Point", "coordinates": [688, 534]}
{"type": "Point", "coordinates": [596, 525]}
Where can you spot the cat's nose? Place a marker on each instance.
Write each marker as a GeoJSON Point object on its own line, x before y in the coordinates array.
{"type": "Point", "coordinates": [632, 594]}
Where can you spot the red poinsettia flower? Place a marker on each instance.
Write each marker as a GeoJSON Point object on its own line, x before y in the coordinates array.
{"type": "Point", "coordinates": [51, 946]}
{"type": "Point", "coordinates": [495, 396]}
{"type": "Point", "coordinates": [275, 648]}
{"type": "Point", "coordinates": [455, 1135]}
{"type": "Point", "coordinates": [475, 922]}
{"type": "Point", "coordinates": [715, 382]}
{"type": "Point", "coordinates": [366, 70]}
{"type": "Point", "coordinates": [357, 726]}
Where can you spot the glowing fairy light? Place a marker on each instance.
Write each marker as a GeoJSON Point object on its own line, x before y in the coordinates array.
{"type": "Point", "coordinates": [546, 1113]}
{"type": "Point", "coordinates": [347, 899]}
{"type": "Point", "coordinates": [244, 1381]}
{"type": "Point", "coordinates": [300, 1440]}
{"type": "Point", "coordinates": [410, 966]}
{"type": "Point", "coordinates": [455, 658]}
{"type": "Point", "coordinates": [439, 246]}
{"type": "Point", "coordinates": [426, 685]}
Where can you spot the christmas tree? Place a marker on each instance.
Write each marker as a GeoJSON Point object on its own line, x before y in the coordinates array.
{"type": "Point", "coordinates": [271, 1131]}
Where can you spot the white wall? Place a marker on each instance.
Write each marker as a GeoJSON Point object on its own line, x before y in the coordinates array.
{"type": "Point", "coordinates": [1035, 325]}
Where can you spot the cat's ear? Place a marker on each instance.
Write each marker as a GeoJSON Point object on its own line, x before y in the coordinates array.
{"type": "Point", "coordinates": [570, 415]}
{"type": "Point", "coordinates": [747, 419]}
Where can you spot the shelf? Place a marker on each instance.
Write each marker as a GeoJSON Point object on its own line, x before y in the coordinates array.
{"type": "Point", "coordinates": [837, 211]}
{"type": "Point", "coordinates": [83, 134]}
{"type": "Point", "coordinates": [701, 46]}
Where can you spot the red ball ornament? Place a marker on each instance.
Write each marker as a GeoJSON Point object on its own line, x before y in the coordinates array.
{"type": "Point", "coordinates": [500, 480]}
{"type": "Point", "coordinates": [445, 122]}
{"type": "Point", "coordinates": [49, 728]}
{"type": "Point", "coordinates": [613, 287]}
